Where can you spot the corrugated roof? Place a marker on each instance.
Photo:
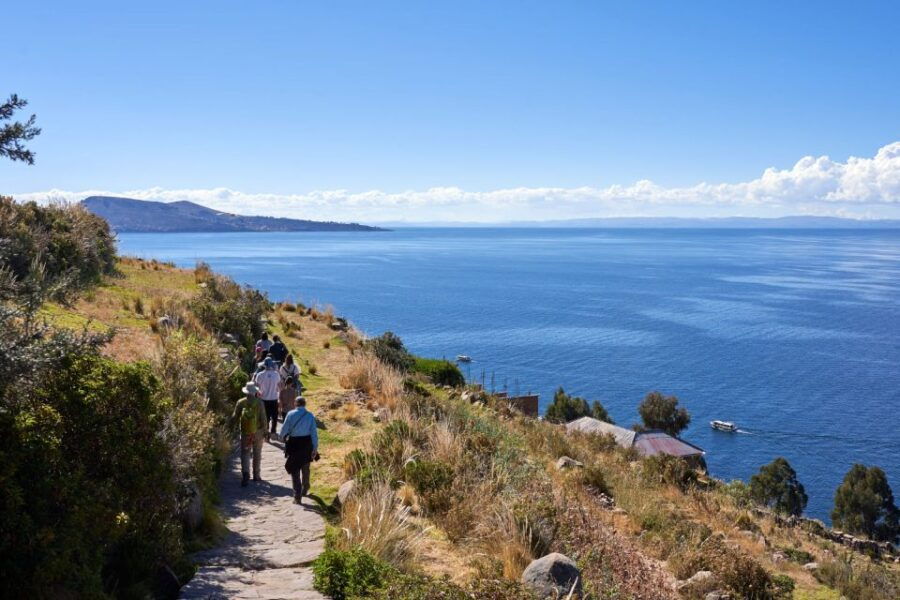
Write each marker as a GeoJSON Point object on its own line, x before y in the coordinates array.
{"type": "Point", "coordinates": [624, 437]}
{"type": "Point", "coordinates": [651, 443]}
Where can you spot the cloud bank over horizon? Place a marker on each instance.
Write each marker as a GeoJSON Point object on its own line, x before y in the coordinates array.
{"type": "Point", "coordinates": [859, 188]}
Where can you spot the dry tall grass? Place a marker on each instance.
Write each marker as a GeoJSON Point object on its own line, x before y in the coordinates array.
{"type": "Point", "coordinates": [372, 520]}
{"type": "Point", "coordinates": [370, 375]}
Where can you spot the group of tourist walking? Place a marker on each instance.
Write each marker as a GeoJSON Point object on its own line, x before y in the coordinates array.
{"type": "Point", "coordinates": [274, 391]}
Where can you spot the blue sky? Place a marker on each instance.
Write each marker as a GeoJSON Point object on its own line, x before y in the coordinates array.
{"type": "Point", "coordinates": [463, 110]}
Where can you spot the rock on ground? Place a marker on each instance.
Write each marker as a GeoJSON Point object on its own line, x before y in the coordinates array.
{"type": "Point", "coordinates": [270, 542]}
{"type": "Point", "coordinates": [552, 576]}
{"type": "Point", "coordinates": [566, 462]}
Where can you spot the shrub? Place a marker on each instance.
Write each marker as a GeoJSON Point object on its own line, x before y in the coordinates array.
{"type": "Point", "coordinates": [203, 272]}
{"type": "Point", "coordinates": [864, 504]}
{"type": "Point", "coordinates": [738, 491]}
{"type": "Point", "coordinates": [776, 486]}
{"type": "Point", "coordinates": [663, 413]}
{"type": "Point", "coordinates": [83, 460]}
{"type": "Point", "coordinates": [669, 470]}
{"type": "Point", "coordinates": [798, 555]}
{"type": "Point", "coordinates": [431, 480]}
{"type": "Point", "coordinates": [592, 477]}
{"type": "Point", "coordinates": [70, 247]}
{"type": "Point", "coordinates": [382, 383]}
{"type": "Point", "coordinates": [735, 570]}
{"type": "Point", "coordinates": [866, 581]}
{"type": "Point", "coordinates": [441, 372]}
{"type": "Point", "coordinates": [389, 349]}
{"type": "Point", "coordinates": [783, 586]}
{"type": "Point", "coordinates": [372, 521]}
{"type": "Point", "coordinates": [223, 306]}
{"type": "Point", "coordinates": [343, 574]}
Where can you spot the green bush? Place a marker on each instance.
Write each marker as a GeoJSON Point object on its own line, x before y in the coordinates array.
{"type": "Point", "coordinates": [389, 349]}
{"type": "Point", "coordinates": [357, 575]}
{"type": "Point", "coordinates": [343, 574]}
{"type": "Point", "coordinates": [783, 586]}
{"type": "Point", "coordinates": [431, 480]}
{"type": "Point", "coordinates": [72, 247]}
{"type": "Point", "coordinates": [861, 581]}
{"type": "Point", "coordinates": [223, 306]}
{"type": "Point", "coordinates": [86, 484]}
{"type": "Point", "coordinates": [441, 372]}
{"type": "Point", "coordinates": [798, 555]}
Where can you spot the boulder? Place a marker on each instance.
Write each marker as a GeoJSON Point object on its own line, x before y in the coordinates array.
{"type": "Point", "coordinates": [811, 566]}
{"type": "Point", "coordinates": [193, 511]}
{"type": "Point", "coordinates": [345, 490]}
{"type": "Point", "coordinates": [553, 576]}
{"type": "Point", "coordinates": [718, 595]}
{"type": "Point", "coordinates": [697, 581]}
{"type": "Point", "coordinates": [778, 557]}
{"type": "Point", "coordinates": [566, 462]}
{"type": "Point", "coordinates": [381, 414]}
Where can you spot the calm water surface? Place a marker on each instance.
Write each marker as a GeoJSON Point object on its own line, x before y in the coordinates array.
{"type": "Point", "coordinates": [795, 335]}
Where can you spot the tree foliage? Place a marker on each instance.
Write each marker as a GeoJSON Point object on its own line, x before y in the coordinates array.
{"type": "Point", "coordinates": [776, 486]}
{"type": "Point", "coordinates": [565, 408]}
{"type": "Point", "coordinates": [864, 504]}
{"type": "Point", "coordinates": [13, 135]}
{"type": "Point", "coordinates": [663, 413]}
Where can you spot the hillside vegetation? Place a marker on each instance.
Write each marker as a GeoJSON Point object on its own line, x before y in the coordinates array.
{"type": "Point", "coordinates": [118, 376]}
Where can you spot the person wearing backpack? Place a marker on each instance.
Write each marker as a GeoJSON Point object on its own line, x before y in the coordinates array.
{"type": "Point", "coordinates": [250, 413]}
{"type": "Point", "coordinates": [290, 370]}
{"type": "Point", "coordinates": [278, 350]}
{"type": "Point", "coordinates": [301, 444]}
{"type": "Point", "coordinates": [287, 392]}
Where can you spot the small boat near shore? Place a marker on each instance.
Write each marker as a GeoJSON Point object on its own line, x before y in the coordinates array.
{"type": "Point", "coordinates": [723, 425]}
{"type": "Point", "coordinates": [463, 358]}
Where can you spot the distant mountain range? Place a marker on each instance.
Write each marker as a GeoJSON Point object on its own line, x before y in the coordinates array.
{"type": "Point", "coordinates": [793, 222]}
{"type": "Point", "coordinates": [143, 216]}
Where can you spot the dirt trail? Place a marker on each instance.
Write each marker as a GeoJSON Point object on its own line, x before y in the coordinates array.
{"type": "Point", "coordinates": [270, 542]}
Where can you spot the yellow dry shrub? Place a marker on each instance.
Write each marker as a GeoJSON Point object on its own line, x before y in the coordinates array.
{"type": "Point", "coordinates": [372, 520]}
{"type": "Point", "coordinates": [378, 380]}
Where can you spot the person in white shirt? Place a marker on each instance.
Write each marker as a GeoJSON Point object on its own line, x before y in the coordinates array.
{"type": "Point", "coordinates": [267, 381]}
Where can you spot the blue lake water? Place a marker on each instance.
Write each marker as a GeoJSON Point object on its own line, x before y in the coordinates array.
{"type": "Point", "coordinates": [794, 335]}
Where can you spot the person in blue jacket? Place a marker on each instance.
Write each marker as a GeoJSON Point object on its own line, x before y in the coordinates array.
{"type": "Point", "coordinates": [301, 445]}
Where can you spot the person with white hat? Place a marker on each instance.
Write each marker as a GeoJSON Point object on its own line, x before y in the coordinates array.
{"type": "Point", "coordinates": [251, 414]}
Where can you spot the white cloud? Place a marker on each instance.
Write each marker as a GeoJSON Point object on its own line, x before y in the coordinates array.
{"type": "Point", "coordinates": [862, 187]}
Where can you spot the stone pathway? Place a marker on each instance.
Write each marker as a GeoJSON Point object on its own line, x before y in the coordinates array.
{"type": "Point", "coordinates": [270, 542]}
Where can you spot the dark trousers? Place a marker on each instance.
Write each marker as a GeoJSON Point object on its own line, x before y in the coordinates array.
{"type": "Point", "coordinates": [300, 479]}
{"type": "Point", "coordinates": [271, 414]}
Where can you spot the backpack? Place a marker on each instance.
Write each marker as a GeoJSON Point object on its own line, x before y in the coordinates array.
{"type": "Point", "coordinates": [249, 416]}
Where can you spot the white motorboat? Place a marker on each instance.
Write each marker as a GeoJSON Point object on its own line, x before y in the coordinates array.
{"type": "Point", "coordinates": [723, 425]}
{"type": "Point", "coordinates": [463, 358]}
